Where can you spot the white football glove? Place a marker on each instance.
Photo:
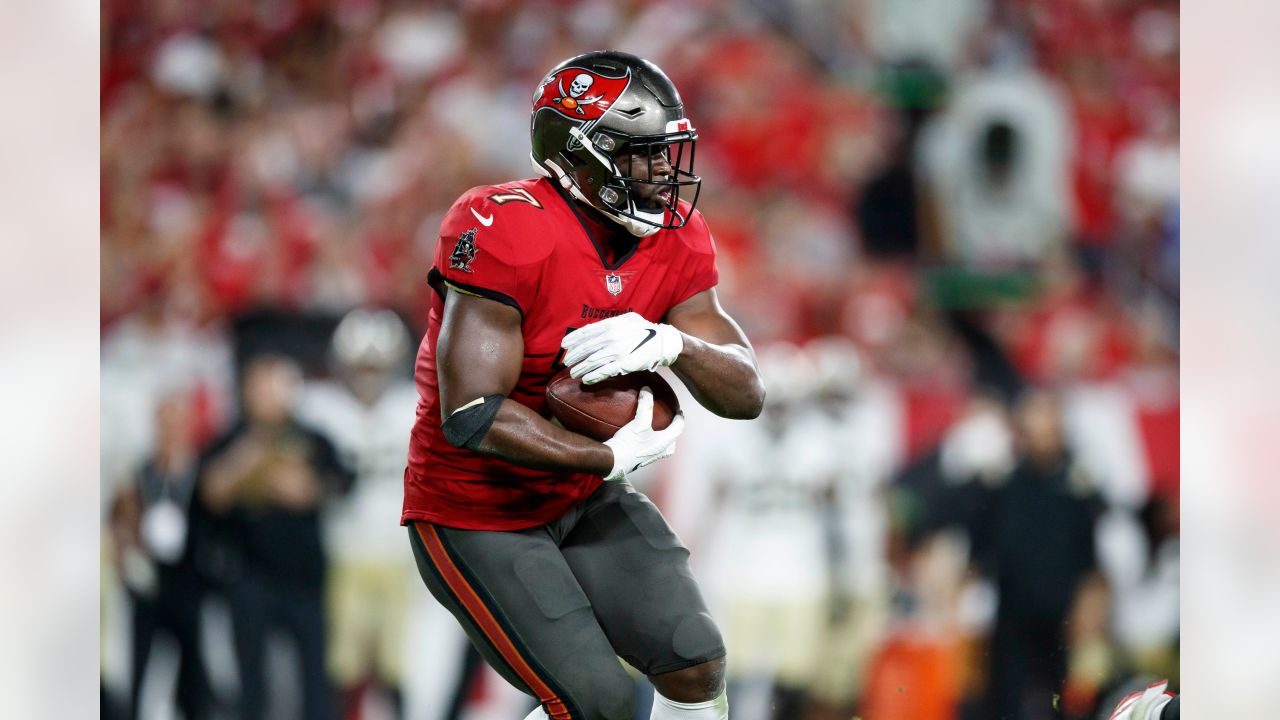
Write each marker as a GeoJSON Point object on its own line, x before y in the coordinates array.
{"type": "Point", "coordinates": [620, 345]}
{"type": "Point", "coordinates": [637, 444]}
{"type": "Point", "coordinates": [1145, 705]}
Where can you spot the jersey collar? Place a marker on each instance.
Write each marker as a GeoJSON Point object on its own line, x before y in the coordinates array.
{"type": "Point", "coordinates": [597, 231]}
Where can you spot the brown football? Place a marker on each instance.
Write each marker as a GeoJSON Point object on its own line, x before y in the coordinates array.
{"type": "Point", "coordinates": [597, 411]}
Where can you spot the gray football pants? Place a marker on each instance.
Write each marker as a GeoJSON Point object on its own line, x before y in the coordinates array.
{"type": "Point", "coordinates": [552, 607]}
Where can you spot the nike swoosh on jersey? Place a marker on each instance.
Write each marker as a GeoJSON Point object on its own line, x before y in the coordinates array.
{"type": "Point", "coordinates": [646, 339]}
{"type": "Point", "coordinates": [485, 221]}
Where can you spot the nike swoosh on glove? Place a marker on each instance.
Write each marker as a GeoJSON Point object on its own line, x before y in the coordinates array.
{"type": "Point", "coordinates": [637, 444]}
{"type": "Point", "coordinates": [620, 345]}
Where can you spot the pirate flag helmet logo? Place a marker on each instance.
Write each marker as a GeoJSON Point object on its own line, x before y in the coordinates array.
{"type": "Point", "coordinates": [579, 93]}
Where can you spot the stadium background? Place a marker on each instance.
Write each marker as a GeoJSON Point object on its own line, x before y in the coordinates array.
{"type": "Point", "coordinates": [943, 224]}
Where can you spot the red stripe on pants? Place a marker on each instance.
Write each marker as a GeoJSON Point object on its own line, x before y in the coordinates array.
{"type": "Point", "coordinates": [487, 623]}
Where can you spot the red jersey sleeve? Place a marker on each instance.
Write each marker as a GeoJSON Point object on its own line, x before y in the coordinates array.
{"type": "Point", "coordinates": [486, 249]}
{"type": "Point", "coordinates": [698, 271]}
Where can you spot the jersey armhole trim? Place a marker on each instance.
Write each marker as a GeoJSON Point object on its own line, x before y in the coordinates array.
{"type": "Point", "coordinates": [440, 283]}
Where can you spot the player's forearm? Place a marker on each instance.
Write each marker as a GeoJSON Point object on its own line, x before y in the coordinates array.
{"type": "Point", "coordinates": [521, 436]}
{"type": "Point", "coordinates": [722, 378]}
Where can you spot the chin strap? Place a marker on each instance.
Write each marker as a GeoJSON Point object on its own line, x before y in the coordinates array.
{"type": "Point", "coordinates": [633, 226]}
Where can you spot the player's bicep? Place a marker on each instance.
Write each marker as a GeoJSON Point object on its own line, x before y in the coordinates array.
{"type": "Point", "coordinates": [479, 351]}
{"type": "Point", "coordinates": [702, 317]}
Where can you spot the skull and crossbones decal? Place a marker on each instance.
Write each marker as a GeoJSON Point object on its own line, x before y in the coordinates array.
{"type": "Point", "coordinates": [574, 100]}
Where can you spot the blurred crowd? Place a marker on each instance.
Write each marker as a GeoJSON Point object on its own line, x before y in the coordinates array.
{"type": "Point", "coordinates": [950, 228]}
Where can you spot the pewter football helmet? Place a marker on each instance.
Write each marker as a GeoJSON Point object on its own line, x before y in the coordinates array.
{"type": "Point", "coordinates": [599, 120]}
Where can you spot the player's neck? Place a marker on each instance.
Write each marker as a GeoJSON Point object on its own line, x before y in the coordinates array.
{"type": "Point", "coordinates": [608, 234]}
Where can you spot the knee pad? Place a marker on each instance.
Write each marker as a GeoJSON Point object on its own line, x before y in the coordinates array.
{"type": "Point", "coordinates": [697, 639]}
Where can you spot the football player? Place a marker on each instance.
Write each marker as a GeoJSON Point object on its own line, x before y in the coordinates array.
{"type": "Point", "coordinates": [766, 541]}
{"type": "Point", "coordinates": [365, 414]}
{"type": "Point", "coordinates": [531, 534]}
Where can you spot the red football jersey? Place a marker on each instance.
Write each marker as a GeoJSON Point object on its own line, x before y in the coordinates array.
{"type": "Point", "coordinates": [526, 245]}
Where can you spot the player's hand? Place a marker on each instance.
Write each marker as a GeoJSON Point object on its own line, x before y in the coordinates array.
{"type": "Point", "coordinates": [620, 345]}
{"type": "Point", "coordinates": [637, 444]}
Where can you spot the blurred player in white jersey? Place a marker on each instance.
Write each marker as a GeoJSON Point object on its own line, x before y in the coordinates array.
{"type": "Point", "coordinates": [767, 547]}
{"type": "Point", "coordinates": [367, 413]}
{"type": "Point", "coordinates": [863, 419]}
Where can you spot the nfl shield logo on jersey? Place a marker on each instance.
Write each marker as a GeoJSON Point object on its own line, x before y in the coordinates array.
{"type": "Point", "coordinates": [613, 284]}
